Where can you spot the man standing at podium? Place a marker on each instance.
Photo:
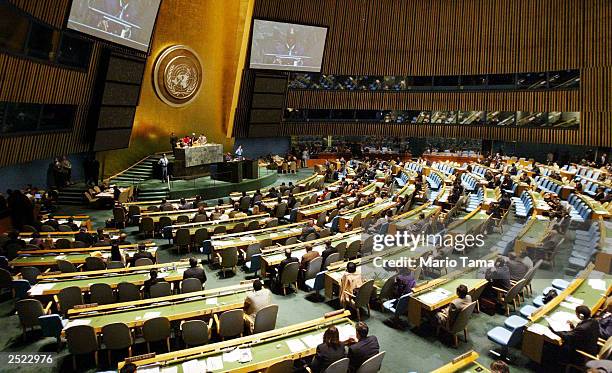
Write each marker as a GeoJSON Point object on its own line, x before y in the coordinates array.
{"type": "Point", "coordinates": [238, 152]}
{"type": "Point", "coordinates": [173, 142]}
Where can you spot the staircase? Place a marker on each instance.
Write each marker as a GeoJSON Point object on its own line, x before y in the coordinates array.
{"type": "Point", "coordinates": [137, 173]}
{"type": "Point", "coordinates": [153, 194]}
{"type": "Point", "coordinates": [72, 195]}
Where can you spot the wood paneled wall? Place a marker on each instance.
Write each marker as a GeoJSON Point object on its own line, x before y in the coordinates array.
{"type": "Point", "coordinates": [446, 37]}
{"type": "Point", "coordinates": [32, 81]}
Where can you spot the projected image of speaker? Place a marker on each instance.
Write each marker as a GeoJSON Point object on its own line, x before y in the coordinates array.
{"type": "Point", "coordinates": [126, 22]}
{"type": "Point", "coordinates": [287, 46]}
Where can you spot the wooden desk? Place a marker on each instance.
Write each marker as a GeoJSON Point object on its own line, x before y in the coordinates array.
{"type": "Point", "coordinates": [273, 257]}
{"type": "Point", "coordinates": [244, 239]}
{"type": "Point", "coordinates": [53, 284]}
{"type": "Point", "coordinates": [532, 234]}
{"type": "Point", "coordinates": [465, 363]}
{"type": "Point", "coordinates": [534, 339]}
{"type": "Point", "coordinates": [50, 260]}
{"type": "Point", "coordinates": [266, 348]}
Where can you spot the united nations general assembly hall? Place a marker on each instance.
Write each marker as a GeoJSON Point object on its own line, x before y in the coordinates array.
{"type": "Point", "coordinates": [305, 186]}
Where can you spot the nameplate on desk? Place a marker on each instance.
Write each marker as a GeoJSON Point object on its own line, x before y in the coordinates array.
{"type": "Point", "coordinates": [140, 357]}
{"type": "Point", "coordinates": [461, 357]}
{"type": "Point", "coordinates": [83, 306]}
{"type": "Point", "coordinates": [53, 273]}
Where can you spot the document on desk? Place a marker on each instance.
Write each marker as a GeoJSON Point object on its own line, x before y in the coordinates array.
{"type": "Point", "coordinates": [433, 297]}
{"type": "Point", "coordinates": [77, 322]}
{"type": "Point", "coordinates": [170, 369]}
{"type": "Point", "coordinates": [245, 355]}
{"type": "Point", "coordinates": [151, 315]}
{"type": "Point", "coordinates": [558, 321]}
{"type": "Point", "coordinates": [542, 330]}
{"type": "Point", "coordinates": [313, 340]}
{"type": "Point", "coordinates": [194, 366]}
{"type": "Point", "coordinates": [598, 284]}
{"type": "Point", "coordinates": [295, 345]}
{"type": "Point", "coordinates": [211, 301]}
{"type": "Point", "coordinates": [347, 332]}
{"type": "Point", "coordinates": [232, 356]}
{"type": "Point", "coordinates": [214, 363]}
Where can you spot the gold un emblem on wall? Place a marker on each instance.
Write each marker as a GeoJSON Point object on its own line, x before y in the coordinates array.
{"type": "Point", "coordinates": [178, 75]}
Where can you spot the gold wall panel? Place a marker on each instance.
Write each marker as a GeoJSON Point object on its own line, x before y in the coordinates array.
{"type": "Point", "coordinates": [214, 29]}
{"type": "Point", "coordinates": [445, 37]}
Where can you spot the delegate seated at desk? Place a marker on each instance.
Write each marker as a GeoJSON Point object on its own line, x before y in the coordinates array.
{"type": "Point", "coordinates": [448, 314]}
{"type": "Point", "coordinates": [153, 279]}
{"type": "Point", "coordinates": [582, 336]}
{"type": "Point", "coordinates": [363, 348]}
{"type": "Point", "coordinates": [255, 301]}
{"type": "Point", "coordinates": [195, 271]}
{"type": "Point", "coordinates": [349, 282]}
{"type": "Point", "coordinates": [141, 253]}
{"type": "Point", "coordinates": [328, 352]}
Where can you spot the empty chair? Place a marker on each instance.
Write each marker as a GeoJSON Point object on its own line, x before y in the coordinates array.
{"type": "Point", "coordinates": [289, 276]}
{"type": "Point", "coordinates": [127, 292]}
{"type": "Point", "coordinates": [29, 310]}
{"type": "Point", "coordinates": [266, 242]}
{"type": "Point", "coordinates": [282, 366]}
{"type": "Point", "coordinates": [254, 264]}
{"type": "Point", "coordinates": [141, 262]}
{"type": "Point", "coordinates": [239, 228]}
{"type": "Point", "coordinates": [69, 297]}
{"type": "Point", "coordinates": [20, 288]}
{"type": "Point", "coordinates": [511, 296]}
{"type": "Point", "coordinates": [386, 292]}
{"type": "Point", "coordinates": [253, 225]}
{"type": "Point", "coordinates": [195, 332]}
{"type": "Point", "coordinates": [219, 229]}
{"type": "Point", "coordinates": [52, 326]}
{"type": "Point", "coordinates": [117, 336]}
{"type": "Point", "coordinates": [460, 323]}
{"type": "Point", "coordinates": [79, 245]}
{"type": "Point", "coordinates": [182, 219]}
{"type": "Point", "coordinates": [147, 226]}
{"type": "Point", "coordinates": [156, 330]}
{"type": "Point", "coordinates": [200, 236]}
{"type": "Point", "coordinates": [47, 228]}
{"type": "Point", "coordinates": [339, 366]}
{"type": "Point", "coordinates": [28, 228]}
{"type": "Point", "coordinates": [230, 323]}
{"type": "Point", "coordinates": [373, 364]}
{"type": "Point", "coordinates": [310, 237]}
{"type": "Point", "coordinates": [341, 249]}
{"type": "Point", "coordinates": [265, 319]}
{"type": "Point", "coordinates": [6, 280]}
{"type": "Point", "coordinates": [325, 232]}
{"type": "Point", "coordinates": [228, 259]}
{"type": "Point", "coordinates": [362, 299]}
{"type": "Point", "coordinates": [182, 239]}
{"type": "Point", "coordinates": [314, 266]}
{"type": "Point", "coordinates": [31, 274]}
{"type": "Point", "coordinates": [316, 284]}
{"type": "Point", "coordinates": [190, 285]}
{"type": "Point", "coordinates": [101, 293]}
{"type": "Point", "coordinates": [352, 251]}
{"type": "Point", "coordinates": [161, 289]}
{"type": "Point", "coordinates": [506, 338]}
{"type": "Point", "coordinates": [332, 258]}
{"type": "Point", "coordinates": [81, 340]}
{"type": "Point", "coordinates": [93, 263]}
{"type": "Point", "coordinates": [291, 241]}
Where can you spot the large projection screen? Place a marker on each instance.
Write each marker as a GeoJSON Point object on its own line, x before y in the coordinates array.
{"type": "Point", "coordinates": [126, 22]}
{"type": "Point", "coordinates": [287, 46]}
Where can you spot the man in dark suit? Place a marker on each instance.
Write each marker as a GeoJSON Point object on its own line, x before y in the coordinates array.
{"type": "Point", "coordinates": [288, 259]}
{"type": "Point", "coordinates": [329, 249]}
{"type": "Point", "coordinates": [142, 253]}
{"type": "Point", "coordinates": [583, 336]}
{"type": "Point", "coordinates": [153, 279]}
{"type": "Point", "coordinates": [83, 236]}
{"type": "Point", "coordinates": [363, 348]}
{"type": "Point", "coordinates": [195, 271]}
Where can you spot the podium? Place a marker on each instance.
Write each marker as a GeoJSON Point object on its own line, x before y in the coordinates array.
{"type": "Point", "coordinates": [250, 169]}
{"type": "Point", "coordinates": [228, 171]}
{"type": "Point", "coordinates": [196, 160]}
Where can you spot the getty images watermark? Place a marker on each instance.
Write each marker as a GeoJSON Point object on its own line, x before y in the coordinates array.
{"type": "Point", "coordinates": [441, 246]}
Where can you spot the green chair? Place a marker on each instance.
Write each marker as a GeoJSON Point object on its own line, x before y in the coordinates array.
{"type": "Point", "coordinates": [196, 332]}
{"type": "Point", "coordinates": [117, 336]}
{"type": "Point", "coordinates": [81, 340]}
